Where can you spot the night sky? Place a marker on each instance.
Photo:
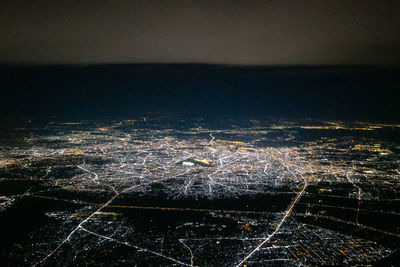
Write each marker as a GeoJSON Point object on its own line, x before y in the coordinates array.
{"type": "Point", "coordinates": [188, 31]}
{"type": "Point", "coordinates": [318, 59]}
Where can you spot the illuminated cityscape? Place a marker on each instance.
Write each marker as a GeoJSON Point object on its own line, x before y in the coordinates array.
{"type": "Point", "coordinates": [160, 191]}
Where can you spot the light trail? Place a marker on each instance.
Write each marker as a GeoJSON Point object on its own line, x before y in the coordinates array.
{"type": "Point", "coordinates": [190, 251]}
{"type": "Point", "coordinates": [136, 247]}
{"type": "Point", "coordinates": [287, 213]}
{"type": "Point", "coordinates": [358, 195]}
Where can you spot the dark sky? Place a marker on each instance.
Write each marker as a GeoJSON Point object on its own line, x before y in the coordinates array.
{"type": "Point", "coordinates": [189, 31]}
